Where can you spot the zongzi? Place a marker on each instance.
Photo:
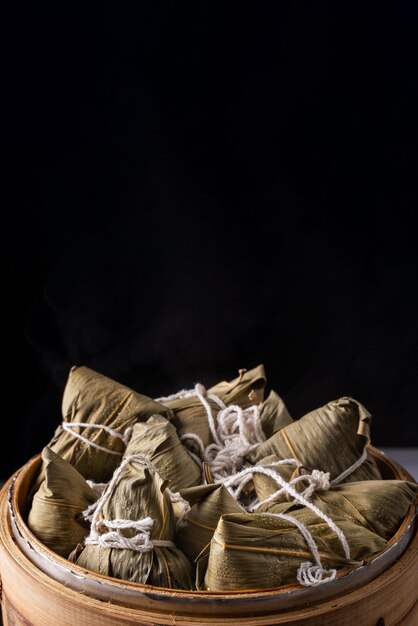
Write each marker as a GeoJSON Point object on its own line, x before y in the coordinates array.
{"type": "Point", "coordinates": [379, 505]}
{"type": "Point", "coordinates": [208, 503]}
{"type": "Point", "coordinates": [332, 438]}
{"type": "Point", "coordinates": [132, 530]}
{"type": "Point", "coordinates": [98, 415]}
{"type": "Point", "coordinates": [258, 551]}
{"type": "Point", "coordinates": [157, 439]}
{"type": "Point", "coordinates": [56, 512]}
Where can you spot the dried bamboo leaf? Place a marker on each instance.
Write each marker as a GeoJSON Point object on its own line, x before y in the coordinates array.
{"type": "Point", "coordinates": [273, 414]}
{"type": "Point", "coordinates": [140, 493]}
{"type": "Point", "coordinates": [157, 439]}
{"type": "Point", "coordinates": [201, 568]}
{"type": "Point", "coordinates": [380, 505]}
{"type": "Point", "coordinates": [244, 390]}
{"type": "Point", "coordinates": [191, 417]}
{"type": "Point", "coordinates": [92, 398]}
{"type": "Point", "coordinates": [55, 515]}
{"type": "Point", "coordinates": [331, 439]}
{"type": "Point", "coordinates": [255, 551]}
{"type": "Point", "coordinates": [208, 503]}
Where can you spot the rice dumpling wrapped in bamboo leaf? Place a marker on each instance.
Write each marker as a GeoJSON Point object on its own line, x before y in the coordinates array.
{"type": "Point", "coordinates": [273, 414]}
{"type": "Point", "coordinates": [190, 415]}
{"type": "Point", "coordinates": [55, 516]}
{"type": "Point", "coordinates": [258, 551]}
{"type": "Point", "coordinates": [379, 505]}
{"type": "Point", "coordinates": [331, 438]}
{"type": "Point", "coordinates": [157, 439]}
{"type": "Point", "coordinates": [107, 411]}
{"type": "Point", "coordinates": [132, 531]}
{"type": "Point", "coordinates": [208, 503]}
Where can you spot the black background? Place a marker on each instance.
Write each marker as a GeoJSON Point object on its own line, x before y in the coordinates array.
{"type": "Point", "coordinates": [197, 187]}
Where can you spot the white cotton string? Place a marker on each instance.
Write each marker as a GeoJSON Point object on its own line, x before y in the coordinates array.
{"type": "Point", "coordinates": [318, 481]}
{"type": "Point", "coordinates": [350, 469]}
{"type": "Point", "coordinates": [236, 432]}
{"type": "Point", "coordinates": [69, 426]}
{"type": "Point", "coordinates": [141, 541]}
{"type": "Point", "coordinates": [308, 574]}
{"type": "Point", "coordinates": [247, 479]}
{"type": "Point", "coordinates": [201, 393]}
{"type": "Point", "coordinates": [114, 433]}
{"type": "Point", "coordinates": [229, 482]}
{"type": "Point", "coordinates": [179, 395]}
{"type": "Point", "coordinates": [183, 507]}
{"type": "Point", "coordinates": [177, 498]}
{"type": "Point", "coordinates": [240, 484]}
{"type": "Point", "coordinates": [97, 489]}
{"type": "Point", "coordinates": [191, 393]}
{"type": "Point", "coordinates": [88, 513]}
{"type": "Point", "coordinates": [290, 461]}
{"type": "Point", "coordinates": [198, 441]}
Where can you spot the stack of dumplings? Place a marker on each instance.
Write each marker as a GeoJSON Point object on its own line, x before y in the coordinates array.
{"type": "Point", "coordinates": [214, 489]}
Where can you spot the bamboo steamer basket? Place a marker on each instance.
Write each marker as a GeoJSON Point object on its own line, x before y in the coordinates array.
{"type": "Point", "coordinates": [39, 588]}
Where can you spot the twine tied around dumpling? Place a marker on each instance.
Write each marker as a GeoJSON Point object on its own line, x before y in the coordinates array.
{"type": "Point", "coordinates": [308, 574]}
{"type": "Point", "coordinates": [113, 538]}
{"type": "Point", "coordinates": [124, 437]}
{"type": "Point", "coordinates": [236, 432]}
{"type": "Point", "coordinates": [317, 481]}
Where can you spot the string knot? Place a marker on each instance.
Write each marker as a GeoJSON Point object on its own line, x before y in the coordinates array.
{"type": "Point", "coordinates": [310, 575]}
{"type": "Point", "coordinates": [320, 480]}
{"type": "Point", "coordinates": [141, 541]}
